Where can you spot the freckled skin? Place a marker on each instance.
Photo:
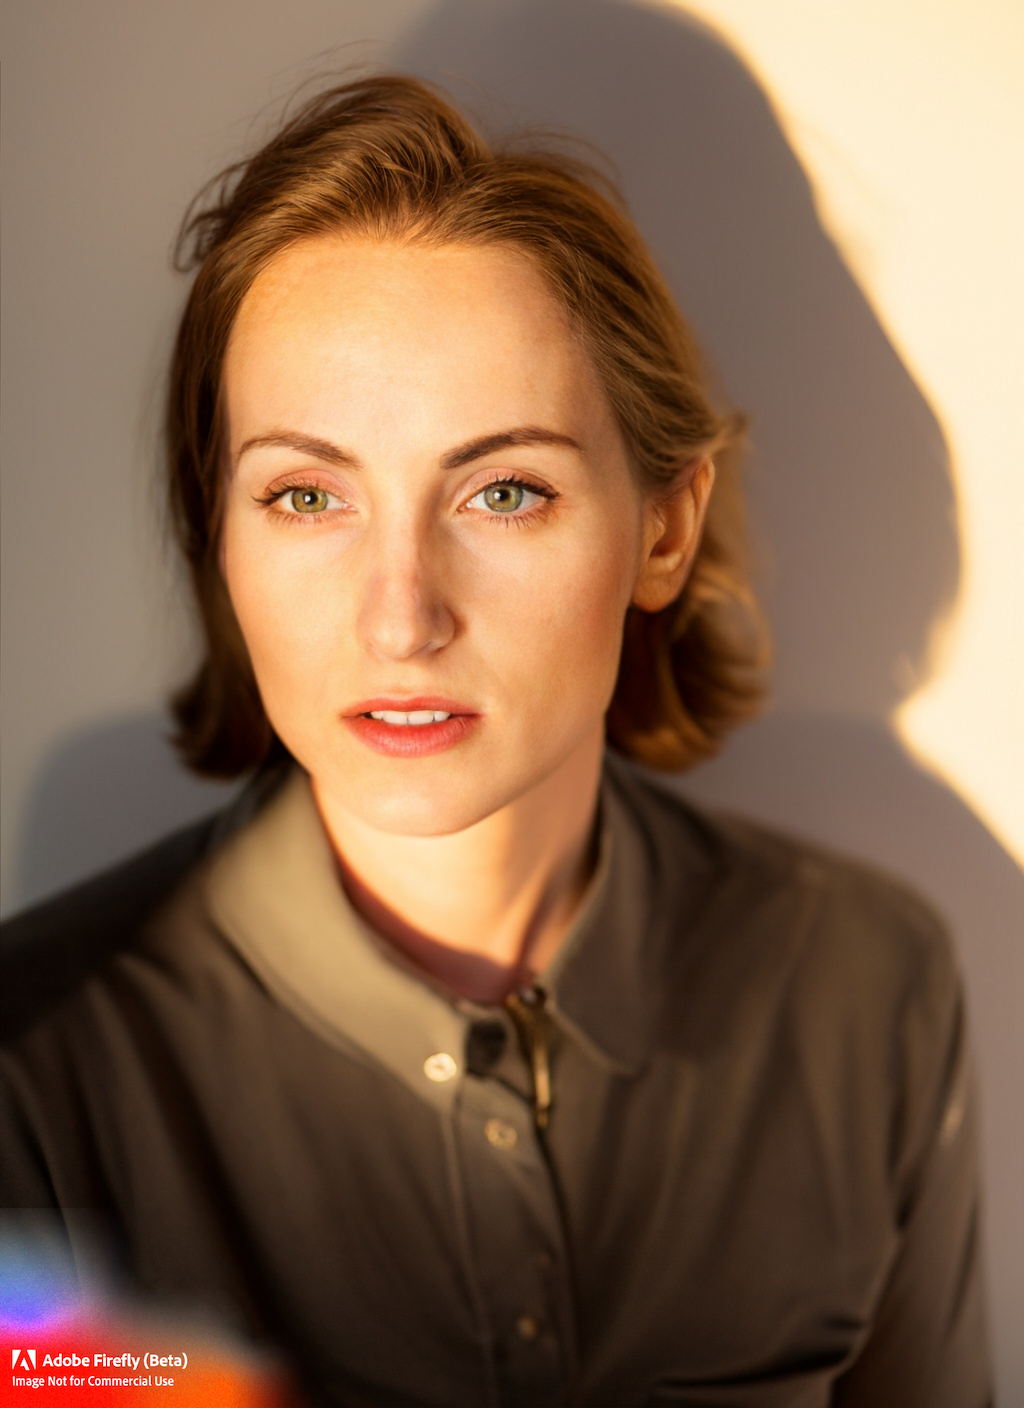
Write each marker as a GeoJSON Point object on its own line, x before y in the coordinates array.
{"type": "Point", "coordinates": [411, 583]}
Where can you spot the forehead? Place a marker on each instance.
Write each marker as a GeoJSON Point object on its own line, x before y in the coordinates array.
{"type": "Point", "coordinates": [336, 275]}
{"type": "Point", "coordinates": [460, 332]}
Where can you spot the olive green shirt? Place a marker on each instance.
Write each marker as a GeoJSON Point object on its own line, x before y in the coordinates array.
{"type": "Point", "coordinates": [755, 1185]}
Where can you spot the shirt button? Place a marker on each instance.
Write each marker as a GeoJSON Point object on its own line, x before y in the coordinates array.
{"type": "Point", "coordinates": [440, 1066]}
{"type": "Point", "coordinates": [500, 1134]}
{"type": "Point", "coordinates": [528, 1327]}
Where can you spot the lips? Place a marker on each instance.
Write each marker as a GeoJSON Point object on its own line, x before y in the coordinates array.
{"type": "Point", "coordinates": [411, 727]}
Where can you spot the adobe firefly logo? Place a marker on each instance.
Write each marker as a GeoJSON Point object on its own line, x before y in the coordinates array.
{"type": "Point", "coordinates": [23, 1359]}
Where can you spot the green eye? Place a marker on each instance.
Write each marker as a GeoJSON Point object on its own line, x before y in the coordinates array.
{"type": "Point", "coordinates": [308, 500]}
{"type": "Point", "coordinates": [503, 498]}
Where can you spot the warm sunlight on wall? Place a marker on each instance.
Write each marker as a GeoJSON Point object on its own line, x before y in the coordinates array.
{"type": "Point", "coordinates": [909, 116]}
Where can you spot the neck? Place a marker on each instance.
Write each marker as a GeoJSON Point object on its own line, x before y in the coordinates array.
{"type": "Point", "coordinates": [484, 909]}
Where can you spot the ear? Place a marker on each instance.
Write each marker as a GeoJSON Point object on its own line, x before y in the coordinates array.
{"type": "Point", "coordinates": [674, 520]}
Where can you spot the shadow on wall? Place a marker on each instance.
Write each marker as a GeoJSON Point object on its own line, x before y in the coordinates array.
{"type": "Point", "coordinates": [849, 486]}
{"type": "Point", "coordinates": [103, 793]}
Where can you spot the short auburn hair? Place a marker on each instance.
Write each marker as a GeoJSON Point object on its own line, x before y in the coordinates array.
{"type": "Point", "coordinates": [390, 158]}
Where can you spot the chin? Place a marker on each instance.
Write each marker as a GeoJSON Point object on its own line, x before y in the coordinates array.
{"type": "Point", "coordinates": [422, 811]}
{"type": "Point", "coordinates": [412, 798]}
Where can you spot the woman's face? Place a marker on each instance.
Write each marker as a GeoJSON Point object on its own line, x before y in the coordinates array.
{"type": "Point", "coordinates": [430, 513]}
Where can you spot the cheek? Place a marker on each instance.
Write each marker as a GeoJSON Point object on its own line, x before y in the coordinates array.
{"type": "Point", "coordinates": [561, 623]}
{"type": "Point", "coordinates": [599, 596]}
{"type": "Point", "coordinates": [284, 621]}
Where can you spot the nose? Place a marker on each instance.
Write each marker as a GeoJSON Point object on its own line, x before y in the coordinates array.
{"type": "Point", "coordinates": [405, 610]}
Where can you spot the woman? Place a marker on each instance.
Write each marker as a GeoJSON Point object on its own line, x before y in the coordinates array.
{"type": "Point", "coordinates": [458, 1059]}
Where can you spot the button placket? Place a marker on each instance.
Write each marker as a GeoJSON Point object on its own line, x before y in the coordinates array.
{"type": "Point", "coordinates": [521, 1263]}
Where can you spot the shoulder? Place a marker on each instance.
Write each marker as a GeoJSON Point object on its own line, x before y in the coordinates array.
{"type": "Point", "coordinates": [49, 951]}
{"type": "Point", "coordinates": [768, 897]}
{"type": "Point", "coordinates": [794, 957]}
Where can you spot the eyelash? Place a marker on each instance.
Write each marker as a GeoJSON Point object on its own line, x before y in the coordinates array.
{"type": "Point", "coordinates": [507, 520]}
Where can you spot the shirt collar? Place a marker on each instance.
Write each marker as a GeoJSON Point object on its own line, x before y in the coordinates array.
{"type": "Point", "coordinates": [273, 890]}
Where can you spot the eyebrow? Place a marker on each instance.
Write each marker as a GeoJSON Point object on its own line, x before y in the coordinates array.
{"type": "Point", "coordinates": [506, 440]}
{"type": "Point", "coordinates": [454, 459]}
{"type": "Point", "coordinates": [304, 444]}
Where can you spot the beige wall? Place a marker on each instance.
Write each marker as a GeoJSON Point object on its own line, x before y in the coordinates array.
{"type": "Point", "coordinates": [910, 119]}
{"type": "Point", "coordinates": [885, 405]}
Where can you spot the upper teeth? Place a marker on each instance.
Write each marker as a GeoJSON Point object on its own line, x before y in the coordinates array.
{"type": "Point", "coordinates": [416, 718]}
